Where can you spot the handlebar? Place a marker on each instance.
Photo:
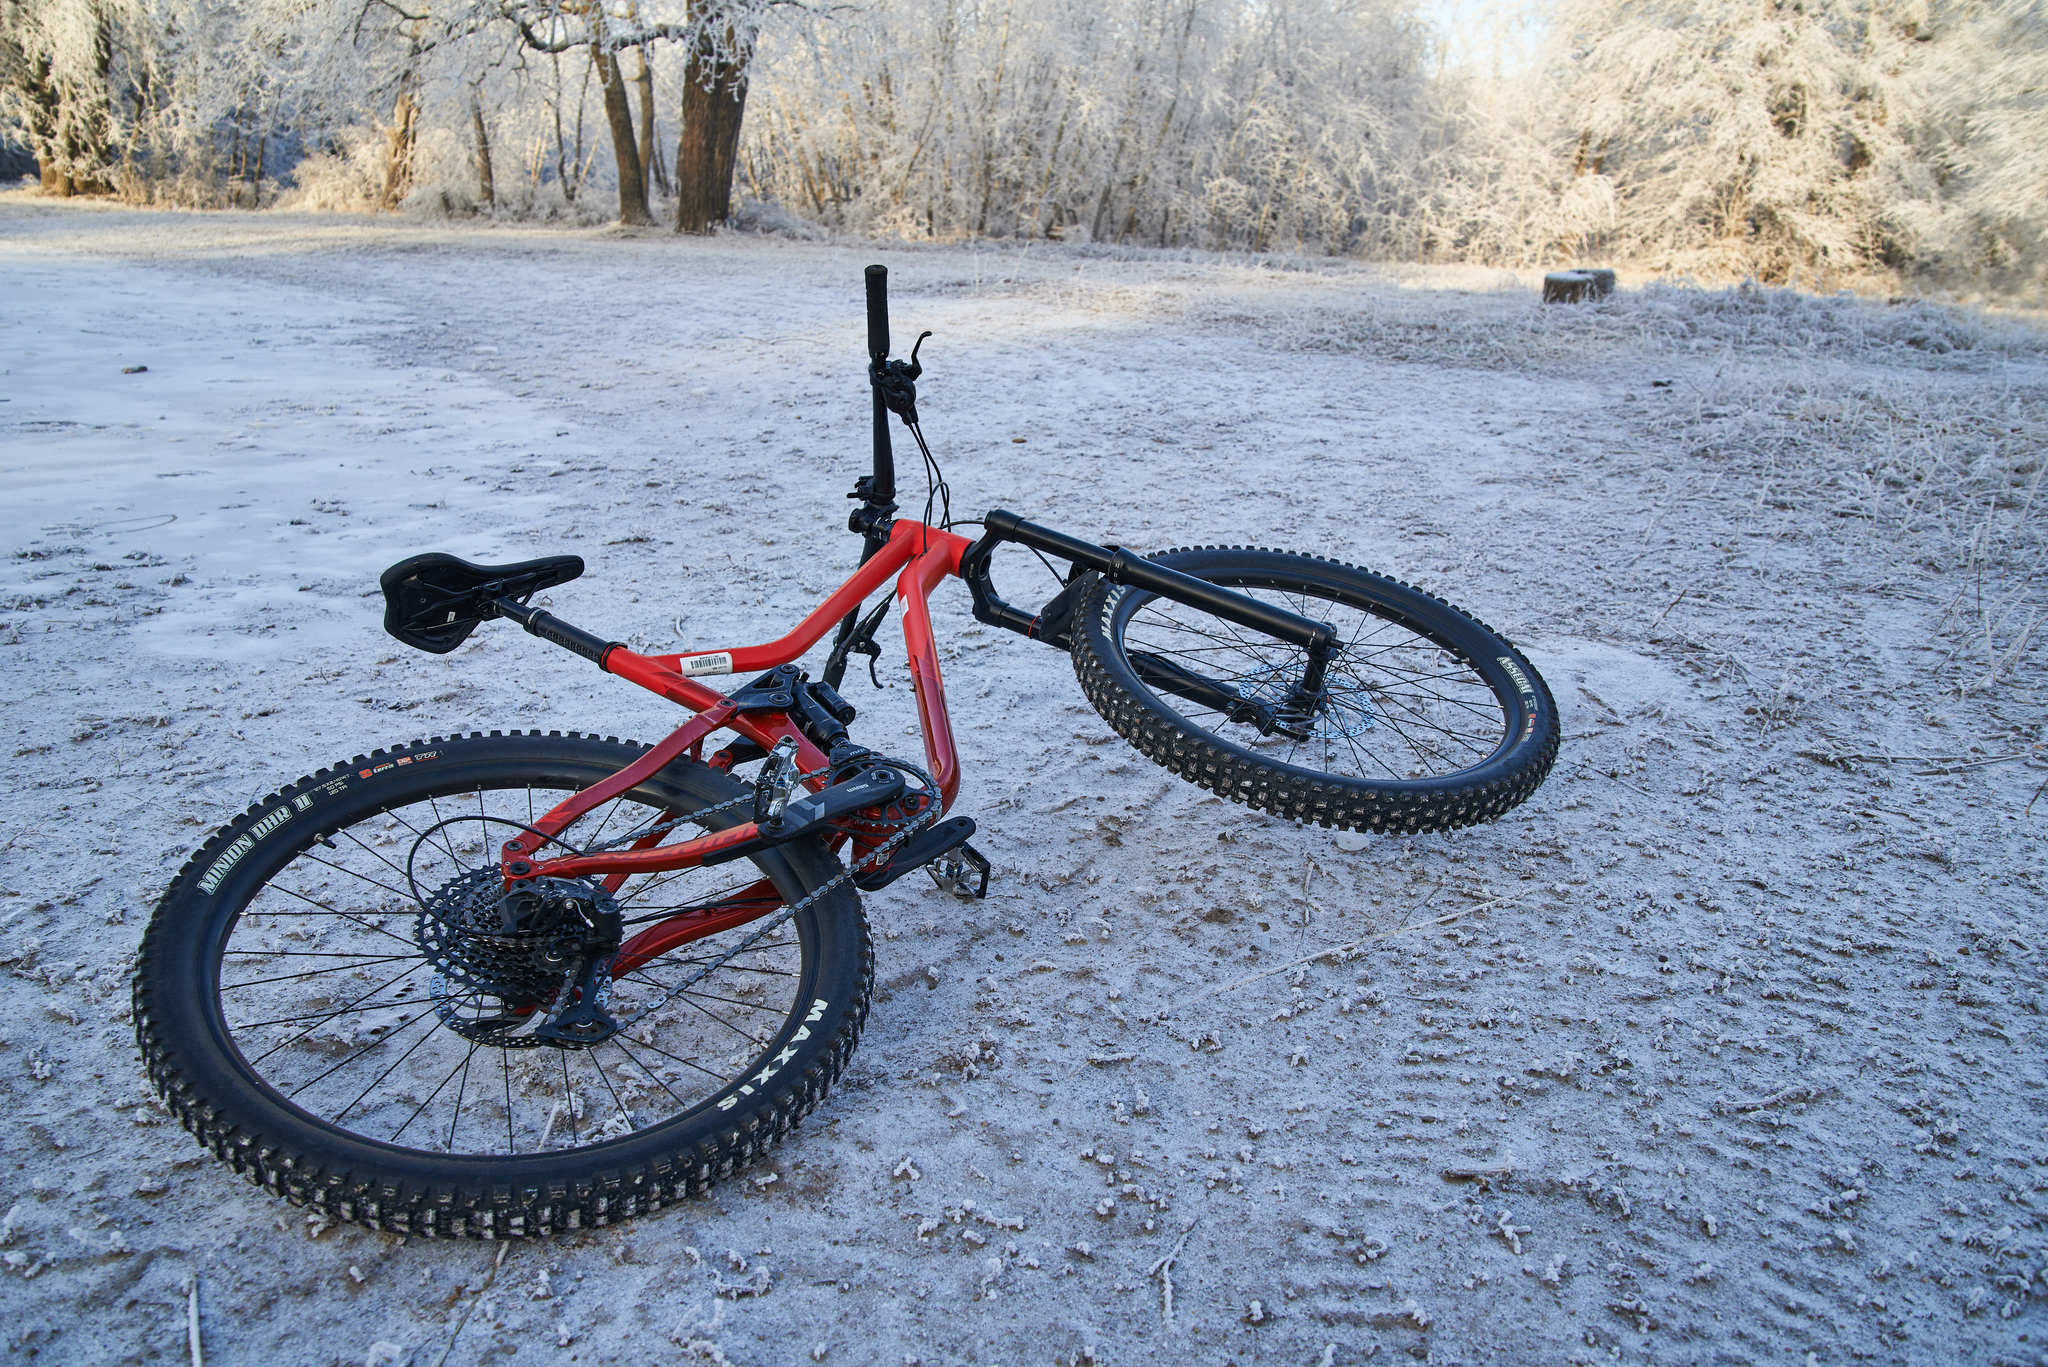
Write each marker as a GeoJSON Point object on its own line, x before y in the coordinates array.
{"type": "Point", "coordinates": [878, 312]}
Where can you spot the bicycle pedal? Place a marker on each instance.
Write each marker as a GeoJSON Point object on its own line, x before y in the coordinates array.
{"type": "Point", "coordinates": [920, 850]}
{"type": "Point", "coordinates": [953, 870]}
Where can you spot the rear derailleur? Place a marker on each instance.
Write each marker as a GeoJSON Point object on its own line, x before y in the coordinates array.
{"type": "Point", "coordinates": [537, 956]}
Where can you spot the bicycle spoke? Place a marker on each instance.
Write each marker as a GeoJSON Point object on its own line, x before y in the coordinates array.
{"type": "Point", "coordinates": [430, 1095]}
{"type": "Point", "coordinates": [695, 904]}
{"type": "Point", "coordinates": [689, 999]}
{"type": "Point", "coordinates": [312, 973]}
{"type": "Point", "coordinates": [660, 882]}
{"type": "Point", "coordinates": [342, 1010]}
{"type": "Point", "coordinates": [372, 851]}
{"type": "Point", "coordinates": [505, 1064]}
{"type": "Point", "coordinates": [624, 1114]}
{"type": "Point", "coordinates": [698, 992]}
{"type": "Point", "coordinates": [736, 968]}
{"type": "Point", "coordinates": [372, 1046]}
{"type": "Point", "coordinates": [1477, 743]}
{"type": "Point", "coordinates": [441, 835]}
{"type": "Point", "coordinates": [645, 1044]}
{"type": "Point", "coordinates": [1384, 677]}
{"type": "Point", "coordinates": [331, 911]}
{"type": "Point", "coordinates": [569, 1096]}
{"type": "Point", "coordinates": [291, 953]}
{"type": "Point", "coordinates": [460, 1088]}
{"type": "Point", "coordinates": [1418, 750]}
{"type": "Point", "coordinates": [620, 1040]}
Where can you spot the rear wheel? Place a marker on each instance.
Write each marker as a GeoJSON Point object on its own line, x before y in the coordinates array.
{"type": "Point", "coordinates": [1427, 718]}
{"type": "Point", "coordinates": [332, 997]}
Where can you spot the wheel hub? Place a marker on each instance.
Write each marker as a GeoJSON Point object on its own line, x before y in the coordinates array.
{"type": "Point", "coordinates": [1278, 688]}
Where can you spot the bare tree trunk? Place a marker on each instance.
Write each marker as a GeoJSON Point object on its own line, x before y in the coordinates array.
{"type": "Point", "coordinates": [625, 151]}
{"type": "Point", "coordinates": [486, 185]}
{"type": "Point", "coordinates": [133, 186]}
{"type": "Point", "coordinates": [714, 102]}
{"type": "Point", "coordinates": [256, 174]}
{"type": "Point", "coordinates": [561, 143]}
{"type": "Point", "coordinates": [579, 161]}
{"type": "Point", "coordinates": [41, 94]}
{"type": "Point", "coordinates": [399, 141]}
{"type": "Point", "coordinates": [650, 150]}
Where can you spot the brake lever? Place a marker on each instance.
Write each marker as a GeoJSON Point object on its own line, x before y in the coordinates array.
{"type": "Point", "coordinates": [916, 369]}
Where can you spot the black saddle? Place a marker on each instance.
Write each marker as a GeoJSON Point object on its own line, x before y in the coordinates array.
{"type": "Point", "coordinates": [432, 602]}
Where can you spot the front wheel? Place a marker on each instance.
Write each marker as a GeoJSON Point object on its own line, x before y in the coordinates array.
{"type": "Point", "coordinates": [335, 997]}
{"type": "Point", "coordinates": [1426, 718]}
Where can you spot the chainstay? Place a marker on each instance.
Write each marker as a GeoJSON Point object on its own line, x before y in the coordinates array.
{"type": "Point", "coordinates": [874, 858]}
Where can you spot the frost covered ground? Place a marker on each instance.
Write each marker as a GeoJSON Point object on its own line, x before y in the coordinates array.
{"type": "Point", "coordinates": [1727, 1047]}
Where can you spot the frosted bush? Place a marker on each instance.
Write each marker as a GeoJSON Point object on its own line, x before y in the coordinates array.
{"type": "Point", "coordinates": [342, 179]}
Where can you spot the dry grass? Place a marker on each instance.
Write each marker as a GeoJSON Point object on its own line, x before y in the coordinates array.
{"type": "Point", "coordinates": [1926, 423]}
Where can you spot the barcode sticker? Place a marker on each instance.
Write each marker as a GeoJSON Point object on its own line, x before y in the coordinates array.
{"type": "Point", "coordinates": [717, 662]}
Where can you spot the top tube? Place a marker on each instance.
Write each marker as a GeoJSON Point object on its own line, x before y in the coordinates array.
{"type": "Point", "coordinates": [908, 540]}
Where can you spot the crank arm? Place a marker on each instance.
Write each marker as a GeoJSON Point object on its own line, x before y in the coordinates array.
{"type": "Point", "coordinates": [1168, 677]}
{"type": "Point", "coordinates": [869, 788]}
{"type": "Point", "coordinates": [922, 849]}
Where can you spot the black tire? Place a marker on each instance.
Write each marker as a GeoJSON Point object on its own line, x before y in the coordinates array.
{"type": "Point", "coordinates": [1432, 721]}
{"type": "Point", "coordinates": [219, 991]}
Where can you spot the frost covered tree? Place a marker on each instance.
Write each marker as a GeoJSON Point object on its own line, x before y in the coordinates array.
{"type": "Point", "coordinates": [1762, 135]}
{"type": "Point", "coordinates": [717, 38]}
{"type": "Point", "coordinates": [1255, 123]}
{"type": "Point", "coordinates": [60, 82]}
{"type": "Point", "coordinates": [593, 30]}
{"type": "Point", "coordinates": [1989, 92]}
{"type": "Point", "coordinates": [1823, 139]}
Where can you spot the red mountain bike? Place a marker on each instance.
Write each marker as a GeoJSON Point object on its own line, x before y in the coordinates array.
{"type": "Point", "coordinates": [511, 983]}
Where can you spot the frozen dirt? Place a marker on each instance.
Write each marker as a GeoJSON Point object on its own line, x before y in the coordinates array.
{"type": "Point", "coordinates": [1726, 1048]}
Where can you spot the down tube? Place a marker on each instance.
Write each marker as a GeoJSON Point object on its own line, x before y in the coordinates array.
{"type": "Point", "coordinates": [914, 588]}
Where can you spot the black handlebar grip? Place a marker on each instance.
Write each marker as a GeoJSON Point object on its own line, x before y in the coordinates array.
{"type": "Point", "coordinates": [878, 311]}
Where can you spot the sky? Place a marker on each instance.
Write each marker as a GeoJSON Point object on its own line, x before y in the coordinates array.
{"type": "Point", "coordinates": [1498, 36]}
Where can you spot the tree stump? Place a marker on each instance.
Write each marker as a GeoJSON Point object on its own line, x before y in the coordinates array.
{"type": "Point", "coordinates": [1577, 286]}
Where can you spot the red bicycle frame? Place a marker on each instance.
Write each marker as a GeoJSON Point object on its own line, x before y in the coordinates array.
{"type": "Point", "coordinates": [434, 601]}
{"type": "Point", "coordinates": [920, 556]}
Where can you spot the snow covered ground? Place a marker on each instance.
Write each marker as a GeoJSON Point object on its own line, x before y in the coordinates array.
{"type": "Point", "coordinates": [1735, 1054]}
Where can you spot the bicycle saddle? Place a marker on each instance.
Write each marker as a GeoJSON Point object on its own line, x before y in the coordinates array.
{"type": "Point", "coordinates": [433, 601]}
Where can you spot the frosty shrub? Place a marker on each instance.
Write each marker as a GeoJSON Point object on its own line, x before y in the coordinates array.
{"type": "Point", "coordinates": [342, 180]}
